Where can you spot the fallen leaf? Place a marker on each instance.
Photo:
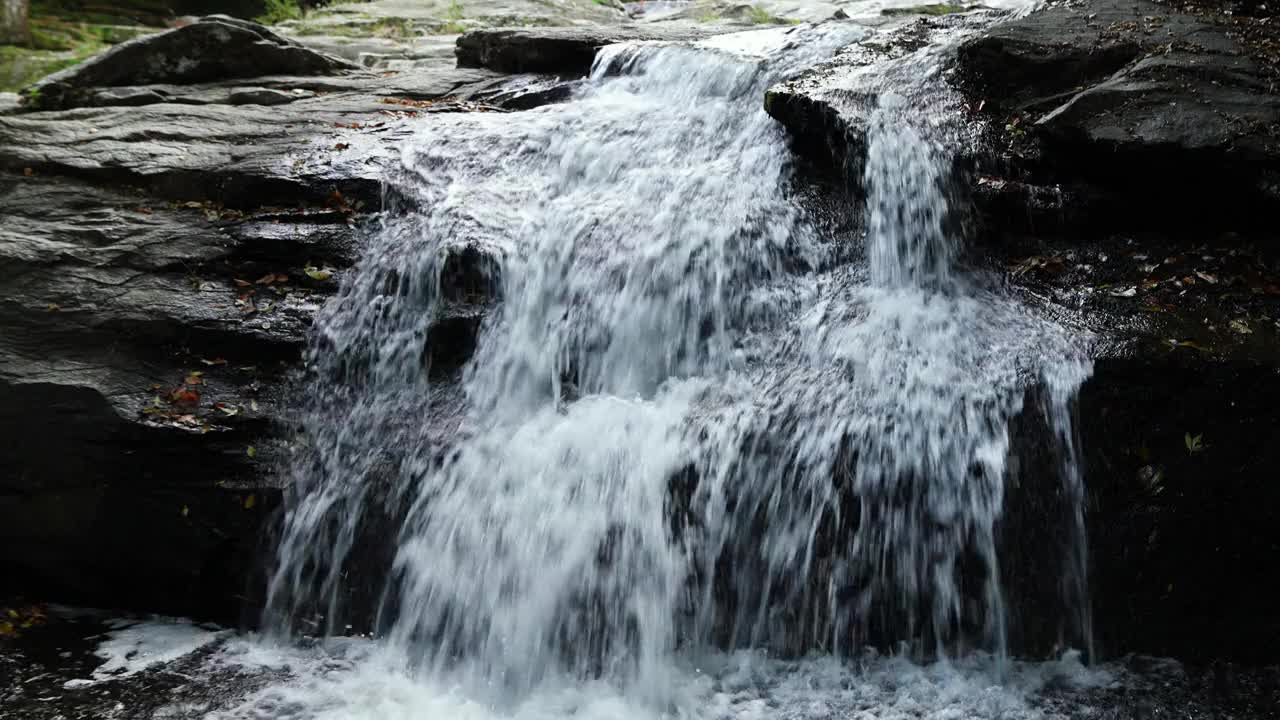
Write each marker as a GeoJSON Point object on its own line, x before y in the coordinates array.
{"type": "Point", "coordinates": [195, 377]}
{"type": "Point", "coordinates": [243, 283]}
{"type": "Point", "coordinates": [215, 361]}
{"type": "Point", "coordinates": [28, 171]}
{"type": "Point", "coordinates": [316, 273]}
{"type": "Point", "coordinates": [1194, 444]}
{"type": "Point", "coordinates": [1211, 279]}
{"type": "Point", "coordinates": [185, 511]}
{"type": "Point", "coordinates": [341, 146]}
{"type": "Point", "coordinates": [250, 501]}
{"type": "Point", "coordinates": [1240, 326]}
{"type": "Point", "coordinates": [184, 396]}
{"type": "Point", "coordinates": [1123, 292]}
{"type": "Point", "coordinates": [251, 451]}
{"type": "Point", "coordinates": [226, 409]}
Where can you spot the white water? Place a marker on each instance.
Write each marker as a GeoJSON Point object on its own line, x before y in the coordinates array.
{"type": "Point", "coordinates": [688, 423]}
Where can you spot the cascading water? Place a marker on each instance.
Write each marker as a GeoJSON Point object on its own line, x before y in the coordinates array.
{"type": "Point", "coordinates": [688, 422]}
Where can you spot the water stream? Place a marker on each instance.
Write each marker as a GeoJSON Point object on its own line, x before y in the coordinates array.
{"type": "Point", "coordinates": [695, 423]}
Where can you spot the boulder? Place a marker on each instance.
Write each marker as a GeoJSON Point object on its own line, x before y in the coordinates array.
{"type": "Point", "coordinates": [563, 50]}
{"type": "Point", "coordinates": [1140, 98]}
{"type": "Point", "coordinates": [139, 386]}
{"type": "Point", "coordinates": [826, 108]}
{"type": "Point", "coordinates": [156, 300]}
{"type": "Point", "coordinates": [215, 48]}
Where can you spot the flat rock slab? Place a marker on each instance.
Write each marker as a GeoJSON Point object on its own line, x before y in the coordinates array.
{"type": "Point", "coordinates": [1122, 91]}
{"type": "Point", "coordinates": [279, 140]}
{"type": "Point", "coordinates": [141, 351]}
{"type": "Point", "coordinates": [826, 109]}
{"type": "Point", "coordinates": [215, 48]}
{"type": "Point", "coordinates": [564, 50]}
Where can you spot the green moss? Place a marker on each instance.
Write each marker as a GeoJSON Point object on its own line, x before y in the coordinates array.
{"type": "Point", "coordinates": [279, 11]}
{"type": "Point", "coordinates": [19, 67]}
{"type": "Point", "coordinates": [117, 12]}
{"type": "Point", "coordinates": [759, 15]}
{"type": "Point", "coordinates": [452, 27]}
{"type": "Point", "coordinates": [454, 11]}
{"type": "Point", "coordinates": [56, 43]}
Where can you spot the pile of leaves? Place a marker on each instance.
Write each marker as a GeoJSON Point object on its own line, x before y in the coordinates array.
{"type": "Point", "coordinates": [13, 620]}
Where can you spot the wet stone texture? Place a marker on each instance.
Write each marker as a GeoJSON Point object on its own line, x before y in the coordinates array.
{"type": "Point", "coordinates": [166, 244]}
{"type": "Point", "coordinates": [1128, 170]}
{"type": "Point", "coordinates": [1122, 176]}
{"type": "Point", "coordinates": [168, 236]}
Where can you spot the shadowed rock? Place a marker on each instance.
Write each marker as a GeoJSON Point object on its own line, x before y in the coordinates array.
{"type": "Point", "coordinates": [1135, 96]}
{"type": "Point", "coordinates": [215, 48]}
{"type": "Point", "coordinates": [566, 50]}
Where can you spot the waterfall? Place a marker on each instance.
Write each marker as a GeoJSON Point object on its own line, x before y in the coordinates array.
{"type": "Point", "coordinates": [689, 421]}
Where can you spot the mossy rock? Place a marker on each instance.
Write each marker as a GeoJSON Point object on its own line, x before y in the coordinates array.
{"type": "Point", "coordinates": [934, 9]}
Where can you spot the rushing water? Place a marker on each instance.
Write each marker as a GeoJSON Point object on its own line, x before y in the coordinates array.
{"type": "Point", "coordinates": [691, 421]}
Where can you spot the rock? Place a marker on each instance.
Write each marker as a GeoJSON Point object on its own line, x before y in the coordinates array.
{"type": "Point", "coordinates": [1139, 98]}
{"type": "Point", "coordinates": [132, 384]}
{"type": "Point", "coordinates": [216, 48]}
{"type": "Point", "coordinates": [243, 155]}
{"type": "Point", "coordinates": [1181, 540]}
{"type": "Point", "coordinates": [164, 230]}
{"type": "Point", "coordinates": [565, 50]}
{"type": "Point", "coordinates": [826, 108]}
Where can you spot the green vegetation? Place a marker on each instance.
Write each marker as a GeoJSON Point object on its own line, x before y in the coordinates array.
{"type": "Point", "coordinates": [933, 9]}
{"type": "Point", "coordinates": [279, 11]}
{"type": "Point", "coordinates": [56, 43]}
{"type": "Point", "coordinates": [760, 16]}
{"type": "Point", "coordinates": [454, 12]}
{"type": "Point", "coordinates": [389, 27]}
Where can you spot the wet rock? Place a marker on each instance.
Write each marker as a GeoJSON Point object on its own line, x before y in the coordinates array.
{"type": "Point", "coordinates": [1139, 98]}
{"type": "Point", "coordinates": [1175, 433]}
{"type": "Point", "coordinates": [231, 151]}
{"type": "Point", "coordinates": [140, 380]}
{"type": "Point", "coordinates": [215, 48]}
{"type": "Point", "coordinates": [1183, 532]}
{"type": "Point", "coordinates": [826, 108]}
{"type": "Point", "coordinates": [565, 50]}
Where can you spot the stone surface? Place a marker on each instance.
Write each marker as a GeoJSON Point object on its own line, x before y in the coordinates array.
{"type": "Point", "coordinates": [1132, 95]}
{"type": "Point", "coordinates": [156, 242]}
{"type": "Point", "coordinates": [568, 51]}
{"type": "Point", "coordinates": [216, 48]}
{"type": "Point", "coordinates": [826, 108]}
{"type": "Point", "coordinates": [135, 378]}
{"type": "Point", "coordinates": [221, 142]}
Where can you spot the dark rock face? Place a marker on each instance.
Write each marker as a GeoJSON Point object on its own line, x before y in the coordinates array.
{"type": "Point", "coordinates": [166, 245]}
{"type": "Point", "coordinates": [826, 109]}
{"type": "Point", "coordinates": [1127, 164]}
{"type": "Point", "coordinates": [1174, 108]}
{"type": "Point", "coordinates": [216, 48]}
{"type": "Point", "coordinates": [136, 386]}
{"type": "Point", "coordinates": [1183, 532]}
{"type": "Point", "coordinates": [565, 50]}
